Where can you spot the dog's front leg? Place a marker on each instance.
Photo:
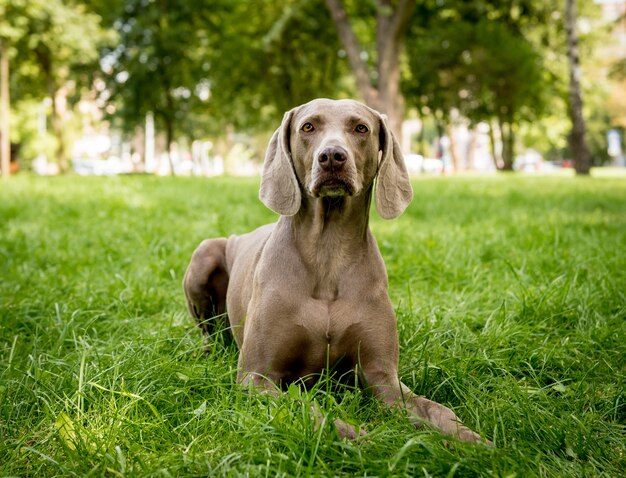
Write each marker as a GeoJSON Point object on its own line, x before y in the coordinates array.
{"type": "Point", "coordinates": [439, 415]}
{"type": "Point", "coordinates": [387, 388]}
{"type": "Point", "coordinates": [263, 384]}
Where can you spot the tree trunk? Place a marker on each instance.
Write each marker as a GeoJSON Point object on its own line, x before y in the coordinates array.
{"type": "Point", "coordinates": [470, 151]}
{"type": "Point", "coordinates": [439, 126]}
{"type": "Point", "coordinates": [149, 163]}
{"type": "Point", "coordinates": [383, 94]}
{"type": "Point", "coordinates": [56, 120]}
{"type": "Point", "coordinates": [169, 139]}
{"type": "Point", "coordinates": [454, 154]}
{"type": "Point", "coordinates": [580, 151]}
{"type": "Point", "coordinates": [56, 96]}
{"type": "Point", "coordinates": [497, 158]}
{"type": "Point", "coordinates": [389, 41]}
{"type": "Point", "coordinates": [58, 114]}
{"type": "Point", "coordinates": [508, 145]}
{"type": "Point", "coordinates": [509, 160]}
{"type": "Point", "coordinates": [421, 141]}
{"type": "Point", "coordinates": [353, 52]}
{"type": "Point", "coordinates": [5, 140]}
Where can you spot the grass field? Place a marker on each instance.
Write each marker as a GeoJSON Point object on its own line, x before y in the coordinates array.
{"type": "Point", "coordinates": [511, 301]}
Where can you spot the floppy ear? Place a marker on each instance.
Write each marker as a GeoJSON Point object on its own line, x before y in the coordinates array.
{"type": "Point", "coordinates": [280, 190]}
{"type": "Point", "coordinates": [393, 188]}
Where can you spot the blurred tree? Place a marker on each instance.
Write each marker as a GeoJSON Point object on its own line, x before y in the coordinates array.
{"type": "Point", "coordinates": [159, 65]}
{"type": "Point", "coordinates": [271, 56]}
{"type": "Point", "coordinates": [475, 57]}
{"type": "Point", "coordinates": [617, 101]}
{"type": "Point", "coordinates": [550, 131]}
{"type": "Point", "coordinates": [580, 151]}
{"type": "Point", "coordinates": [509, 82]}
{"type": "Point", "coordinates": [53, 44]}
{"type": "Point", "coordinates": [5, 143]}
{"type": "Point", "coordinates": [12, 28]}
{"type": "Point", "coordinates": [379, 88]}
{"type": "Point", "coordinates": [206, 68]}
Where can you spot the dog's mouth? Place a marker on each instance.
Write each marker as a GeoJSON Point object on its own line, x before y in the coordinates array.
{"type": "Point", "coordinates": [333, 187]}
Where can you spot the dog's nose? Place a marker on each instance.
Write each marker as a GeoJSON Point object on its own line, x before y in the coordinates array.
{"type": "Point", "coordinates": [332, 157]}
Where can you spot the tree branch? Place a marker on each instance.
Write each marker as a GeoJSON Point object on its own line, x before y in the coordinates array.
{"type": "Point", "coordinates": [353, 50]}
{"type": "Point", "coordinates": [402, 17]}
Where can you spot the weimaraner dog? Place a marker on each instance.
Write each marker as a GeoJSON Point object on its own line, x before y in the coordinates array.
{"type": "Point", "coordinates": [311, 289]}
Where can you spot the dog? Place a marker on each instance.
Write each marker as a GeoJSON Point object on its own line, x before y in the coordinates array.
{"type": "Point", "coordinates": [311, 289]}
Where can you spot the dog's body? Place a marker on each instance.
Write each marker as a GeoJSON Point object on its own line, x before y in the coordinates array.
{"type": "Point", "coordinates": [311, 290]}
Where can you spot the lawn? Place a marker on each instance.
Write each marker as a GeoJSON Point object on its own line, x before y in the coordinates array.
{"type": "Point", "coordinates": [510, 294]}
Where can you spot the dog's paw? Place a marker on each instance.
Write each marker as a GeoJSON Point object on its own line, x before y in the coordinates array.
{"type": "Point", "coordinates": [347, 431]}
{"type": "Point", "coordinates": [465, 434]}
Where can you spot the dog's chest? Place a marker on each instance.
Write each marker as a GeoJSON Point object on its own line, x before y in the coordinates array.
{"type": "Point", "coordinates": [321, 334]}
{"type": "Point", "coordinates": [317, 310]}
{"type": "Point", "coordinates": [326, 319]}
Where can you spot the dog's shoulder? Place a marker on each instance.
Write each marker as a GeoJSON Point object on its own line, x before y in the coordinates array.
{"type": "Point", "coordinates": [245, 246]}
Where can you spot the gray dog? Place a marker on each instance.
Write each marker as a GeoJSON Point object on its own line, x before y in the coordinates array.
{"type": "Point", "coordinates": [311, 289]}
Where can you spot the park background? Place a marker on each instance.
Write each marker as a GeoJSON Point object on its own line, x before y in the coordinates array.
{"type": "Point", "coordinates": [509, 287]}
{"type": "Point", "coordinates": [197, 87]}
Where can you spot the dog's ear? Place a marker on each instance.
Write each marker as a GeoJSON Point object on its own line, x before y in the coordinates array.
{"type": "Point", "coordinates": [393, 188]}
{"type": "Point", "coordinates": [280, 190]}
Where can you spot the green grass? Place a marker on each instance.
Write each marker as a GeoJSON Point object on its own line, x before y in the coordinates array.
{"type": "Point", "coordinates": [510, 296]}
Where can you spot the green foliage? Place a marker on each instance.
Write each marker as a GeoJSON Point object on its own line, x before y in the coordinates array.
{"type": "Point", "coordinates": [160, 62]}
{"type": "Point", "coordinates": [474, 57]}
{"type": "Point", "coordinates": [209, 66]}
{"type": "Point", "coordinates": [25, 117]}
{"type": "Point", "coordinates": [506, 60]}
{"type": "Point", "coordinates": [205, 65]}
{"type": "Point", "coordinates": [509, 294]}
{"type": "Point", "coordinates": [274, 56]}
{"type": "Point", "coordinates": [51, 42]}
{"type": "Point", "coordinates": [53, 52]}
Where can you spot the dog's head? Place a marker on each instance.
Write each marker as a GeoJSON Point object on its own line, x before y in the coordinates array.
{"type": "Point", "coordinates": [328, 148]}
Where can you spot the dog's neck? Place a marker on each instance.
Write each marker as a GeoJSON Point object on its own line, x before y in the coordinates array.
{"type": "Point", "coordinates": [330, 234]}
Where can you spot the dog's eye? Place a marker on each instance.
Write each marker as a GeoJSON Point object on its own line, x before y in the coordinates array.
{"type": "Point", "coordinates": [361, 128]}
{"type": "Point", "coordinates": [307, 127]}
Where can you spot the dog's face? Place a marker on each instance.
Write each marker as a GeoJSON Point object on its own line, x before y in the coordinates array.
{"type": "Point", "coordinates": [333, 148]}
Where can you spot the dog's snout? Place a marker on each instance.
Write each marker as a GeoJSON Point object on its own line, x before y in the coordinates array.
{"type": "Point", "coordinates": [332, 157]}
